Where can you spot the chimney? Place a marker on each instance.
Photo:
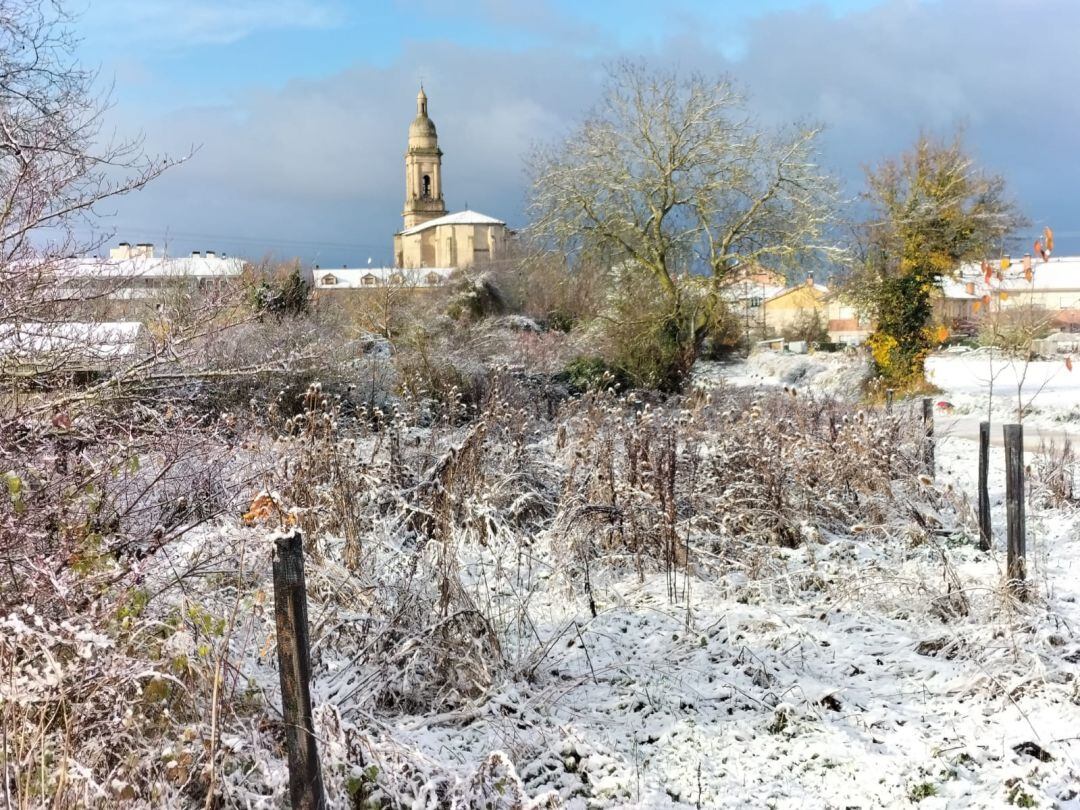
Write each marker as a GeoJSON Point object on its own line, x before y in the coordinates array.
{"type": "Point", "coordinates": [210, 254]}
{"type": "Point", "coordinates": [121, 252]}
{"type": "Point", "coordinates": [970, 287]}
{"type": "Point", "coordinates": [809, 281]}
{"type": "Point", "coordinates": [195, 254]}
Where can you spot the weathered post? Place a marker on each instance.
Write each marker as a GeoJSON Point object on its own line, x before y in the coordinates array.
{"type": "Point", "coordinates": [984, 492]}
{"type": "Point", "coordinates": [928, 434]}
{"type": "Point", "coordinates": [889, 392]}
{"type": "Point", "coordinates": [1014, 508]}
{"type": "Point", "coordinates": [294, 668]}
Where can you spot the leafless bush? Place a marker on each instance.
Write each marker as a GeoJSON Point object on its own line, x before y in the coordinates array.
{"type": "Point", "coordinates": [1054, 470]}
{"type": "Point", "coordinates": [726, 472]}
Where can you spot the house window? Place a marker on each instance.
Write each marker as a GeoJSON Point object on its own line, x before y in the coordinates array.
{"type": "Point", "coordinates": [397, 278]}
{"type": "Point", "coordinates": [433, 279]}
{"type": "Point", "coordinates": [329, 280]}
{"type": "Point", "coordinates": [369, 280]}
{"type": "Point", "coordinates": [427, 187]}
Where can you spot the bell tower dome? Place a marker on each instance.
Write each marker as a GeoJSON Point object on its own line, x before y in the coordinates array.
{"type": "Point", "coordinates": [423, 168]}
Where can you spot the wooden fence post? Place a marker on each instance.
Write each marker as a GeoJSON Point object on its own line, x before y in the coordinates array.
{"type": "Point", "coordinates": [928, 434]}
{"type": "Point", "coordinates": [294, 667]}
{"type": "Point", "coordinates": [984, 492]}
{"type": "Point", "coordinates": [889, 392]}
{"type": "Point", "coordinates": [1014, 506]}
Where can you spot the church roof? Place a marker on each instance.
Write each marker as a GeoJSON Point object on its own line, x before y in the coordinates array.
{"type": "Point", "coordinates": [460, 218]}
{"type": "Point", "coordinates": [422, 127]}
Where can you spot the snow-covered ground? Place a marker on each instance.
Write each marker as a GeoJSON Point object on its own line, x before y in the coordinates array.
{"type": "Point", "coordinates": [829, 685]}
{"type": "Point", "coordinates": [975, 386]}
{"type": "Point", "coordinates": [982, 384]}
{"type": "Point", "coordinates": [838, 678]}
{"type": "Point", "coordinates": [834, 683]}
{"type": "Point", "coordinates": [838, 374]}
{"type": "Point", "coordinates": [871, 667]}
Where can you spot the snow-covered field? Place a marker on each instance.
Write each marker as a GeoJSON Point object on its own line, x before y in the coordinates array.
{"type": "Point", "coordinates": [984, 384]}
{"type": "Point", "coordinates": [840, 375]}
{"type": "Point", "coordinates": [517, 631]}
{"type": "Point", "coordinates": [841, 674]}
{"type": "Point", "coordinates": [830, 684]}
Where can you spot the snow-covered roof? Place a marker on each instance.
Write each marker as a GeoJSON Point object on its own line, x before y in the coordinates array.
{"type": "Point", "coordinates": [353, 277]}
{"type": "Point", "coordinates": [956, 290]}
{"type": "Point", "coordinates": [152, 267]}
{"type": "Point", "coordinates": [460, 218]}
{"type": "Point", "coordinates": [1058, 274]}
{"type": "Point", "coordinates": [72, 339]}
{"type": "Point", "coordinates": [750, 290]}
{"type": "Point", "coordinates": [821, 288]}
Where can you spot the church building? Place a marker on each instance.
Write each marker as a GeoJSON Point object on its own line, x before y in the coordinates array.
{"type": "Point", "coordinates": [431, 237]}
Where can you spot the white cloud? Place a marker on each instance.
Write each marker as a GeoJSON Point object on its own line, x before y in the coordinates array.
{"type": "Point", "coordinates": [179, 23]}
{"type": "Point", "coordinates": [320, 160]}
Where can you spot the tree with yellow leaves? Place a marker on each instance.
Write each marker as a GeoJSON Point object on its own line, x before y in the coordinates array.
{"type": "Point", "coordinates": [931, 210]}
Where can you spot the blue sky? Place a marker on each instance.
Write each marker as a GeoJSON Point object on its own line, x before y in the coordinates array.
{"type": "Point", "coordinates": [299, 107]}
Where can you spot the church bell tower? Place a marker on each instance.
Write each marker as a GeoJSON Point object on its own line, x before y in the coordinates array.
{"type": "Point", "coordinates": [423, 169]}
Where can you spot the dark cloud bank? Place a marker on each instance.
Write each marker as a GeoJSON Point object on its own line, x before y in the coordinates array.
{"type": "Point", "coordinates": [315, 168]}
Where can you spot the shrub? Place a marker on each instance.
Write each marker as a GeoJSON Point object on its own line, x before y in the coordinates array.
{"type": "Point", "coordinates": [284, 293]}
{"type": "Point", "coordinates": [1014, 329]}
{"type": "Point", "coordinates": [807, 326]}
{"type": "Point", "coordinates": [476, 296]}
{"type": "Point", "coordinates": [593, 374]}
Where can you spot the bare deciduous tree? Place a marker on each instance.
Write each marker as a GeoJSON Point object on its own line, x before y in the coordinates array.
{"type": "Point", "coordinates": [57, 162]}
{"type": "Point", "coordinates": [670, 177]}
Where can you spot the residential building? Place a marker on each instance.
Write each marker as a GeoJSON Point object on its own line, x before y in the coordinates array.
{"type": "Point", "coordinates": [132, 273]}
{"type": "Point", "coordinates": [790, 306]}
{"type": "Point", "coordinates": [1051, 287]}
{"type": "Point", "coordinates": [746, 292]}
{"type": "Point", "coordinates": [132, 281]}
{"type": "Point", "coordinates": [794, 306]}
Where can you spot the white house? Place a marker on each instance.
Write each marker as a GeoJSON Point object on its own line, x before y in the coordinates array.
{"type": "Point", "coordinates": [1052, 286]}
{"type": "Point", "coordinates": [132, 272]}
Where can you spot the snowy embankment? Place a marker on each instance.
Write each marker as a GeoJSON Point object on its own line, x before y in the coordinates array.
{"type": "Point", "coordinates": [984, 384]}
{"type": "Point", "coordinates": [839, 375]}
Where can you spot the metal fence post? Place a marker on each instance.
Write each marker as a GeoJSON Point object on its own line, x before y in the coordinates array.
{"type": "Point", "coordinates": [928, 434]}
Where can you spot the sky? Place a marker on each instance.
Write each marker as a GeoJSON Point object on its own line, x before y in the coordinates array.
{"type": "Point", "coordinates": [297, 110]}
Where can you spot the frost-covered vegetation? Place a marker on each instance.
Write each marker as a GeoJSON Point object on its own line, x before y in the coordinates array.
{"type": "Point", "coordinates": [735, 598]}
{"type": "Point", "coordinates": [532, 579]}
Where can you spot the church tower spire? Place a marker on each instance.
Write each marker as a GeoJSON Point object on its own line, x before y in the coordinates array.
{"type": "Point", "coordinates": [423, 168]}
